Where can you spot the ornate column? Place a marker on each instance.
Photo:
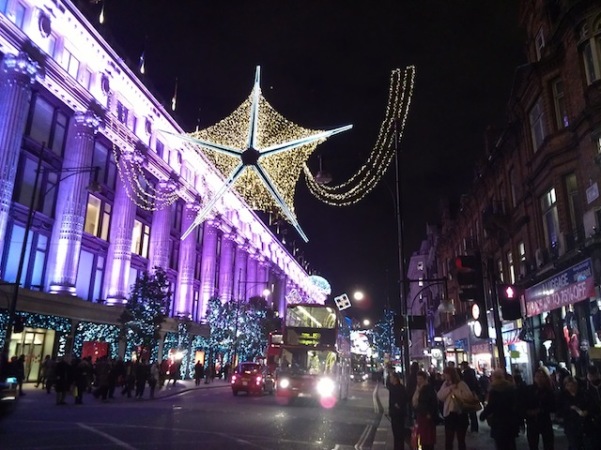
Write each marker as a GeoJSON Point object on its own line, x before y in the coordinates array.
{"type": "Point", "coordinates": [253, 287]}
{"type": "Point", "coordinates": [116, 278]}
{"type": "Point", "coordinates": [208, 266]}
{"type": "Point", "coordinates": [187, 263]}
{"type": "Point", "coordinates": [226, 269]}
{"type": "Point", "coordinates": [17, 75]}
{"type": "Point", "coordinates": [160, 232]}
{"type": "Point", "coordinates": [263, 277]}
{"type": "Point", "coordinates": [240, 272]}
{"type": "Point", "coordinates": [71, 204]}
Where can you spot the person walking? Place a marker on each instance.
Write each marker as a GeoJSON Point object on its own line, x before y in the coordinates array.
{"type": "Point", "coordinates": [469, 377]}
{"type": "Point", "coordinates": [425, 405]}
{"type": "Point", "coordinates": [103, 373]}
{"type": "Point", "coordinates": [574, 408]}
{"type": "Point", "coordinates": [539, 405]}
{"type": "Point", "coordinates": [199, 372]}
{"type": "Point", "coordinates": [50, 375]}
{"type": "Point", "coordinates": [501, 411]}
{"type": "Point", "coordinates": [43, 370]}
{"type": "Point", "coordinates": [142, 373]}
{"type": "Point", "coordinates": [398, 405]}
{"type": "Point", "coordinates": [154, 377]}
{"type": "Point", "coordinates": [62, 380]}
{"type": "Point", "coordinates": [452, 392]}
{"type": "Point", "coordinates": [593, 421]}
{"type": "Point", "coordinates": [20, 372]}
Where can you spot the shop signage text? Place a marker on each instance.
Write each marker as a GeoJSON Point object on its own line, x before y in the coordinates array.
{"type": "Point", "coordinates": [567, 287]}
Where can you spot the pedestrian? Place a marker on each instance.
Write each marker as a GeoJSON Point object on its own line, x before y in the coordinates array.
{"type": "Point", "coordinates": [43, 369]}
{"type": "Point", "coordinates": [130, 379]}
{"type": "Point", "coordinates": [469, 377]}
{"type": "Point", "coordinates": [199, 372]}
{"type": "Point", "coordinates": [452, 393]}
{"type": "Point", "coordinates": [574, 409]}
{"type": "Point", "coordinates": [501, 411]}
{"type": "Point", "coordinates": [153, 378]}
{"type": "Point", "coordinates": [142, 373]}
{"type": "Point", "coordinates": [79, 373]}
{"type": "Point", "coordinates": [425, 405]}
{"type": "Point", "coordinates": [539, 405]}
{"type": "Point", "coordinates": [398, 406]}
{"type": "Point", "coordinates": [593, 422]}
{"type": "Point", "coordinates": [62, 382]}
{"type": "Point", "coordinates": [20, 372]}
{"type": "Point", "coordinates": [50, 375]}
{"type": "Point", "coordinates": [102, 373]}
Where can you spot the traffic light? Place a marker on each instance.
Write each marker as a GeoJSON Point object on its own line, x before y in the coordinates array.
{"type": "Point", "coordinates": [18, 324]}
{"type": "Point", "coordinates": [468, 271]}
{"type": "Point", "coordinates": [399, 329]}
{"type": "Point", "coordinates": [510, 301]}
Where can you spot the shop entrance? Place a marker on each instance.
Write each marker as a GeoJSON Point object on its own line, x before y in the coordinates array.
{"type": "Point", "coordinates": [34, 344]}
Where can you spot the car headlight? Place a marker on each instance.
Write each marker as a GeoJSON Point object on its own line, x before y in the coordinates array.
{"type": "Point", "coordinates": [284, 383]}
{"type": "Point", "coordinates": [352, 377]}
{"type": "Point", "coordinates": [326, 387]}
{"type": "Point", "coordinates": [365, 376]}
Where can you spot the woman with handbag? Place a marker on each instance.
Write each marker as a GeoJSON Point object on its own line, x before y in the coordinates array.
{"type": "Point", "coordinates": [452, 393]}
{"type": "Point", "coordinates": [502, 412]}
{"type": "Point", "coordinates": [425, 405]}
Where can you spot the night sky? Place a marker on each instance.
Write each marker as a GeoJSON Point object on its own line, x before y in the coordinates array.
{"type": "Point", "coordinates": [324, 64]}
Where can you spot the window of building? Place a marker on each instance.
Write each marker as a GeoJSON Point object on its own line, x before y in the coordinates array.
{"type": "Point", "coordinates": [105, 160]}
{"type": "Point", "coordinates": [51, 44]}
{"type": "Point", "coordinates": [70, 63]}
{"type": "Point", "coordinates": [85, 77]}
{"type": "Point", "coordinates": [47, 125]}
{"type": "Point", "coordinates": [34, 259]}
{"type": "Point", "coordinates": [177, 211]}
{"type": "Point", "coordinates": [559, 101]}
{"type": "Point", "coordinates": [591, 53]}
{"type": "Point", "coordinates": [513, 187]}
{"type": "Point", "coordinates": [140, 239]}
{"type": "Point", "coordinates": [522, 251]}
{"type": "Point", "coordinates": [540, 44]}
{"type": "Point", "coordinates": [537, 124]}
{"type": "Point", "coordinates": [550, 218]}
{"type": "Point", "coordinates": [122, 113]}
{"type": "Point", "coordinates": [90, 274]}
{"type": "Point", "coordinates": [3, 4]}
{"type": "Point", "coordinates": [574, 210]}
{"type": "Point", "coordinates": [160, 148]}
{"type": "Point", "coordinates": [98, 217]}
{"type": "Point", "coordinates": [500, 271]}
{"type": "Point", "coordinates": [45, 191]}
{"type": "Point", "coordinates": [18, 16]}
{"type": "Point", "coordinates": [510, 267]}
{"type": "Point", "coordinates": [174, 254]}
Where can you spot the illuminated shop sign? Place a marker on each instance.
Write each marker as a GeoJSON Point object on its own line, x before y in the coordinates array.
{"type": "Point", "coordinates": [567, 287]}
{"type": "Point", "coordinates": [310, 337]}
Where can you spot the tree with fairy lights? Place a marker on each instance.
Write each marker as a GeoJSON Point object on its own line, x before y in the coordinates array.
{"type": "Point", "coordinates": [146, 309]}
{"type": "Point", "coordinates": [383, 334]}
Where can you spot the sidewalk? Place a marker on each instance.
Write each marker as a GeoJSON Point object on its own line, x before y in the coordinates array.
{"type": "Point", "coordinates": [169, 390]}
{"type": "Point", "coordinates": [481, 440]}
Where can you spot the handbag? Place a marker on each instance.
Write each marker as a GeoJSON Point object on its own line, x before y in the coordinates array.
{"type": "Point", "coordinates": [468, 405]}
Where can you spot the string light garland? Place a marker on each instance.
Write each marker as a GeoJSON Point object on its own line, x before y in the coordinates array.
{"type": "Point", "coordinates": [367, 177]}
{"type": "Point", "coordinates": [260, 153]}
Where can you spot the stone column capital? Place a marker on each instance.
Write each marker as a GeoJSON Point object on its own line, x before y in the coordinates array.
{"type": "Point", "coordinates": [20, 65]}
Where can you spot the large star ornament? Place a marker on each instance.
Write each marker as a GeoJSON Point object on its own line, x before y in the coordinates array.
{"type": "Point", "coordinates": [261, 155]}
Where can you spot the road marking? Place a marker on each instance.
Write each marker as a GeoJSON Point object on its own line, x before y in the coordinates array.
{"type": "Point", "coordinates": [114, 440]}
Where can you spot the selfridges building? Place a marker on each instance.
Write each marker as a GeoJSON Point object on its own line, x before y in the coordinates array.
{"type": "Point", "coordinates": [92, 195]}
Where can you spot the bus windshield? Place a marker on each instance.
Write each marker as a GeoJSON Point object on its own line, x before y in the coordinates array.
{"type": "Point", "coordinates": [308, 362]}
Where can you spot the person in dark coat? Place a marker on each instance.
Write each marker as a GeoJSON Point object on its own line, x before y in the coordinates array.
{"type": "Point", "coordinates": [398, 406]}
{"type": "Point", "coordinates": [501, 411]}
{"type": "Point", "coordinates": [593, 423]}
{"type": "Point", "coordinates": [425, 405]}
{"type": "Point", "coordinates": [574, 408]}
{"type": "Point", "coordinates": [539, 405]}
{"type": "Point", "coordinates": [142, 373]}
{"type": "Point", "coordinates": [199, 372]}
{"type": "Point", "coordinates": [62, 381]}
{"type": "Point", "coordinates": [20, 372]}
{"type": "Point", "coordinates": [469, 377]}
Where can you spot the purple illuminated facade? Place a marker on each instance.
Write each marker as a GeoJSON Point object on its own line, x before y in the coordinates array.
{"type": "Point", "coordinates": [74, 104]}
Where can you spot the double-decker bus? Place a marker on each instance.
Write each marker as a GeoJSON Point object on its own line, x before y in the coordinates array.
{"type": "Point", "coordinates": [315, 355]}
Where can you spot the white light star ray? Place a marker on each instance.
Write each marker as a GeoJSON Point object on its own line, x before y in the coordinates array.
{"type": "Point", "coordinates": [275, 168]}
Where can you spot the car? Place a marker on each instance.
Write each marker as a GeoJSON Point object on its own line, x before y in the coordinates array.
{"type": "Point", "coordinates": [359, 377]}
{"type": "Point", "coordinates": [252, 378]}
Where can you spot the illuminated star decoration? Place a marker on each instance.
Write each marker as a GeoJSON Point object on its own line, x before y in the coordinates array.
{"type": "Point", "coordinates": [260, 153]}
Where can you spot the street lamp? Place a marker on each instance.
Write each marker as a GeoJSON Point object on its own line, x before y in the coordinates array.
{"type": "Point", "coordinates": [68, 172]}
{"type": "Point", "coordinates": [358, 295]}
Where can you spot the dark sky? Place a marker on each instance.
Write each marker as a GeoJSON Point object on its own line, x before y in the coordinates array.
{"type": "Point", "coordinates": [326, 63]}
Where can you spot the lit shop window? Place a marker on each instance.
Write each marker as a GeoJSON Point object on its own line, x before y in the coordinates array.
{"type": "Point", "coordinates": [48, 125]}
{"type": "Point", "coordinates": [98, 218]}
{"type": "Point", "coordinates": [140, 239]}
{"type": "Point", "coordinates": [89, 276]}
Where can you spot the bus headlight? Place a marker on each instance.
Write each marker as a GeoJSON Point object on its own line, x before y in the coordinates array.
{"type": "Point", "coordinates": [326, 387]}
{"type": "Point", "coordinates": [284, 383]}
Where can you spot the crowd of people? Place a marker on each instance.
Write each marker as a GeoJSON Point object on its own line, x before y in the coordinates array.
{"type": "Point", "coordinates": [103, 379]}
{"type": "Point", "coordinates": [509, 405]}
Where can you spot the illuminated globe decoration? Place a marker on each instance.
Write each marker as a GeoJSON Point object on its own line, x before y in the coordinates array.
{"type": "Point", "coordinates": [260, 153]}
{"type": "Point", "coordinates": [321, 283]}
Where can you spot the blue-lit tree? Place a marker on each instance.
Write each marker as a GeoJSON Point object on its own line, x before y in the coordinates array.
{"type": "Point", "coordinates": [146, 310]}
{"type": "Point", "coordinates": [383, 334]}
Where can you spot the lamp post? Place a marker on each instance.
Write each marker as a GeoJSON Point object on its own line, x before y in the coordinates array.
{"type": "Point", "coordinates": [28, 225]}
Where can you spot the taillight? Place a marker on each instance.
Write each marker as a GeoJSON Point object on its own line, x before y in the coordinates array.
{"type": "Point", "coordinates": [233, 379]}
{"type": "Point", "coordinates": [258, 380]}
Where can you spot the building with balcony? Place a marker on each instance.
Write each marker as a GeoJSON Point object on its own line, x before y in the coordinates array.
{"type": "Point", "coordinates": [72, 115]}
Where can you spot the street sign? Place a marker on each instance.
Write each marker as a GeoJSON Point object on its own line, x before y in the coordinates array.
{"type": "Point", "coordinates": [342, 302]}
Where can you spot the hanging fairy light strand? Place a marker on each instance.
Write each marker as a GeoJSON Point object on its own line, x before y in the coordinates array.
{"type": "Point", "coordinates": [369, 174]}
